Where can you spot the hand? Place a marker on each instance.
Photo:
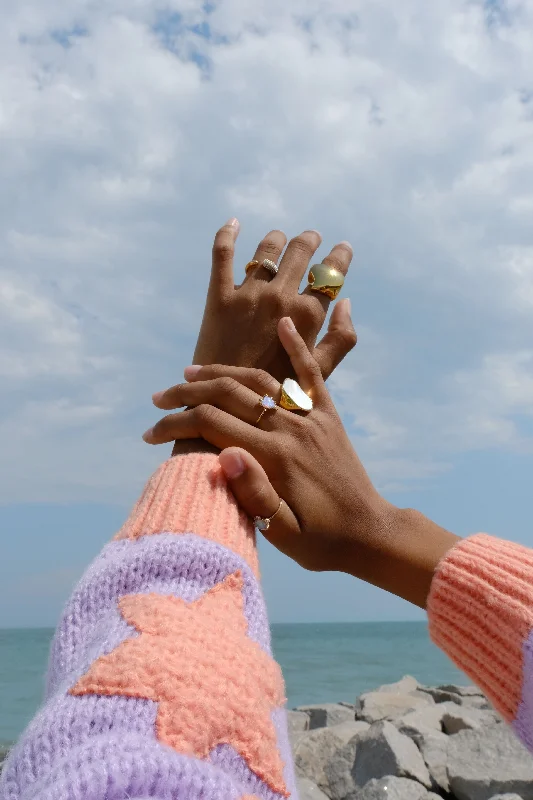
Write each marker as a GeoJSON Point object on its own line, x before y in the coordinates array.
{"type": "Point", "coordinates": [239, 324]}
{"type": "Point", "coordinates": [332, 517]}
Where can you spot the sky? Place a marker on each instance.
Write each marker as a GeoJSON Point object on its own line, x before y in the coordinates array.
{"type": "Point", "coordinates": [130, 130]}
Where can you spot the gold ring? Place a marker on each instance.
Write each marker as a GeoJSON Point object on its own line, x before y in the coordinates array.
{"type": "Point", "coordinates": [293, 397]}
{"type": "Point", "coordinates": [263, 523]}
{"type": "Point", "coordinates": [325, 279]}
{"type": "Point", "coordinates": [271, 266]}
{"type": "Point", "coordinates": [267, 403]}
{"type": "Point", "coordinates": [251, 265]}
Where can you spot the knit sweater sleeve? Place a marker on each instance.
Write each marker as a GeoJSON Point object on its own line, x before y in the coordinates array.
{"type": "Point", "coordinates": [480, 611]}
{"type": "Point", "coordinates": [161, 680]}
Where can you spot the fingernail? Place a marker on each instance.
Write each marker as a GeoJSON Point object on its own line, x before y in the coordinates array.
{"type": "Point", "coordinates": [232, 465]}
{"type": "Point", "coordinates": [233, 223]}
{"type": "Point", "coordinates": [289, 324]}
{"type": "Point", "coordinates": [156, 397]}
{"type": "Point", "coordinates": [347, 245]}
{"type": "Point", "coordinates": [189, 373]}
{"type": "Point", "coordinates": [148, 435]}
{"type": "Point", "coordinates": [312, 230]}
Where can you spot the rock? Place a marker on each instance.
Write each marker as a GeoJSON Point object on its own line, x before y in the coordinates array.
{"type": "Point", "coordinates": [327, 714]}
{"type": "Point", "coordinates": [338, 770]}
{"type": "Point", "coordinates": [404, 686]}
{"type": "Point", "coordinates": [298, 724]}
{"type": "Point", "coordinates": [382, 751]}
{"type": "Point", "coordinates": [422, 721]}
{"type": "Point", "coordinates": [463, 691]}
{"type": "Point", "coordinates": [391, 788]}
{"type": "Point", "coordinates": [309, 790]}
{"type": "Point", "coordinates": [316, 748]}
{"type": "Point", "coordinates": [442, 695]}
{"type": "Point", "coordinates": [433, 746]}
{"type": "Point", "coordinates": [506, 797]}
{"type": "Point", "coordinates": [376, 706]}
{"type": "Point", "coordinates": [459, 718]}
{"type": "Point", "coordinates": [484, 763]}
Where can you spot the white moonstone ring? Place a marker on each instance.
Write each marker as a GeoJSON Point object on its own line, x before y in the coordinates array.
{"type": "Point", "coordinates": [293, 397]}
{"type": "Point", "coordinates": [267, 403]}
{"type": "Point", "coordinates": [263, 523]}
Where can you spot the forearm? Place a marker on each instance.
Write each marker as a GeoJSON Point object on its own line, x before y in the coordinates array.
{"type": "Point", "coordinates": [161, 669]}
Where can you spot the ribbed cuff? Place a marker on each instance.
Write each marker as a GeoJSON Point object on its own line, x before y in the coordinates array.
{"type": "Point", "coordinates": [189, 494]}
{"type": "Point", "coordinates": [480, 611]}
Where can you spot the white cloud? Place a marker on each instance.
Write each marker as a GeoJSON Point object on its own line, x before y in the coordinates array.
{"type": "Point", "coordinates": [131, 130]}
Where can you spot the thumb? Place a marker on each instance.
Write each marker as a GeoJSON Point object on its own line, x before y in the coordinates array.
{"type": "Point", "coordinates": [338, 341]}
{"type": "Point", "coordinates": [255, 494]}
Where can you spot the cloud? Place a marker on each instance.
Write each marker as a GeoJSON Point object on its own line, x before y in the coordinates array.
{"type": "Point", "coordinates": [132, 130]}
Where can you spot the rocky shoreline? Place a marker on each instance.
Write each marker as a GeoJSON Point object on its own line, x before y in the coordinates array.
{"type": "Point", "coordinates": [406, 741]}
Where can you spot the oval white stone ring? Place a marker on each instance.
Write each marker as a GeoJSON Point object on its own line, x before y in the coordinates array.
{"type": "Point", "coordinates": [267, 403]}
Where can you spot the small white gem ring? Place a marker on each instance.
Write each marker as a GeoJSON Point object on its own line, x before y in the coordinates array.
{"type": "Point", "coordinates": [267, 403]}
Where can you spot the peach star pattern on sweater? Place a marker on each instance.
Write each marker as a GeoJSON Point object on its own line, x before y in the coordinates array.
{"type": "Point", "coordinates": [211, 689]}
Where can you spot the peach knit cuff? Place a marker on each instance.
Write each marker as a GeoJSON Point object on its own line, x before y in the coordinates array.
{"type": "Point", "coordinates": [480, 611]}
{"type": "Point", "coordinates": [189, 494]}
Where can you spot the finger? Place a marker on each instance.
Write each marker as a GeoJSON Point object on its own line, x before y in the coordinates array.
{"type": "Point", "coordinates": [270, 247]}
{"type": "Point", "coordinates": [297, 256]}
{"type": "Point", "coordinates": [223, 253]}
{"type": "Point", "coordinates": [340, 258]}
{"type": "Point", "coordinates": [306, 368]}
{"type": "Point", "coordinates": [212, 424]}
{"type": "Point", "coordinates": [225, 393]}
{"type": "Point", "coordinates": [338, 341]}
{"type": "Point", "coordinates": [255, 494]}
{"type": "Point", "coordinates": [256, 379]}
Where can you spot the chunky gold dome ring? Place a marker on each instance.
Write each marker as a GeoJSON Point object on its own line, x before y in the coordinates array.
{"type": "Point", "coordinates": [326, 280]}
{"type": "Point", "coordinates": [251, 265]}
{"type": "Point", "coordinates": [293, 397]}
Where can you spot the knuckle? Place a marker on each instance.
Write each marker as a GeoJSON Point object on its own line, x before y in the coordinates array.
{"type": "Point", "coordinates": [223, 250]}
{"type": "Point", "coordinates": [205, 414]}
{"type": "Point", "coordinates": [270, 247]}
{"type": "Point", "coordinates": [338, 259]}
{"type": "Point", "coordinates": [226, 385]}
{"type": "Point", "coordinates": [302, 244]}
{"type": "Point", "coordinates": [263, 379]}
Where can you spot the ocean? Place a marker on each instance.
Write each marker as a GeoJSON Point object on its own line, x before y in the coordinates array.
{"type": "Point", "coordinates": [321, 663]}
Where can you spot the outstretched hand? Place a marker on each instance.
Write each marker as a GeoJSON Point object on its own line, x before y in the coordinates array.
{"type": "Point", "coordinates": [331, 517]}
{"type": "Point", "coordinates": [239, 326]}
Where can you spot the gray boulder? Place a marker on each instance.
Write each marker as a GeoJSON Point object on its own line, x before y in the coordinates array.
{"type": "Point", "coordinates": [433, 746]}
{"type": "Point", "coordinates": [463, 691]}
{"type": "Point", "coordinates": [315, 749]}
{"type": "Point", "coordinates": [327, 714]}
{"type": "Point", "coordinates": [506, 797]}
{"type": "Point", "coordinates": [376, 706]}
{"type": "Point", "coordinates": [404, 686]}
{"type": "Point", "coordinates": [391, 788]}
{"type": "Point", "coordinates": [339, 768]}
{"type": "Point", "coordinates": [423, 720]}
{"type": "Point", "coordinates": [298, 724]}
{"type": "Point", "coordinates": [443, 695]}
{"type": "Point", "coordinates": [460, 718]}
{"type": "Point", "coordinates": [309, 790]}
{"type": "Point", "coordinates": [484, 763]}
{"type": "Point", "coordinates": [382, 751]}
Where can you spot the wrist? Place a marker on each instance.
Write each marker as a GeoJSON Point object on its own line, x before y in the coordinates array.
{"type": "Point", "coordinates": [185, 446]}
{"type": "Point", "coordinates": [401, 552]}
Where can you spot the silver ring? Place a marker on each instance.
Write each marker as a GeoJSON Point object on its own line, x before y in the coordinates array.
{"type": "Point", "coordinates": [263, 523]}
{"type": "Point", "coordinates": [271, 266]}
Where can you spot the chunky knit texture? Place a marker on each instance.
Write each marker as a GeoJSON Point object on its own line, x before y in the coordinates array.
{"type": "Point", "coordinates": [162, 685]}
{"type": "Point", "coordinates": [481, 614]}
{"type": "Point", "coordinates": [161, 682]}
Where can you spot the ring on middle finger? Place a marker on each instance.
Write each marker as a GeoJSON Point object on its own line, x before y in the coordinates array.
{"type": "Point", "coordinates": [270, 265]}
{"type": "Point", "coordinates": [326, 280]}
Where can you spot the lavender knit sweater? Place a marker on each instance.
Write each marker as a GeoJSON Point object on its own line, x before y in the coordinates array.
{"type": "Point", "coordinates": [161, 681]}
